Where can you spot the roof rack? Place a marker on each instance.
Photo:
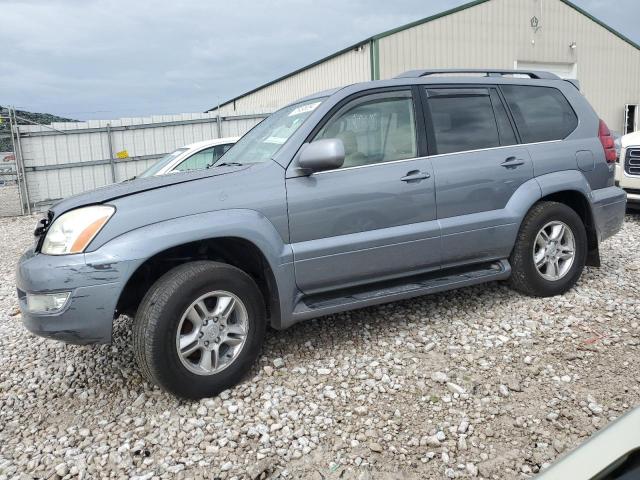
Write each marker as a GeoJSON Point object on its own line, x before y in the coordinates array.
{"type": "Point", "coordinates": [535, 74]}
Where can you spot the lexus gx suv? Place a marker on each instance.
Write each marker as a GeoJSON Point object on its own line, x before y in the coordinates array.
{"type": "Point", "coordinates": [351, 197]}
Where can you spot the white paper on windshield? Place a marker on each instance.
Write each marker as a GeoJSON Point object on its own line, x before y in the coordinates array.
{"type": "Point", "coordinates": [304, 109]}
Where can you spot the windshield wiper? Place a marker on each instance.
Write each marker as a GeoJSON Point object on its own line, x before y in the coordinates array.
{"type": "Point", "coordinates": [226, 164]}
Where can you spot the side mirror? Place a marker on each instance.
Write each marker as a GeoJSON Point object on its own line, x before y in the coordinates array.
{"type": "Point", "coordinates": [320, 155]}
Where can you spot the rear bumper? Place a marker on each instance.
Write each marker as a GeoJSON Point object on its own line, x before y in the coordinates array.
{"type": "Point", "coordinates": [608, 208]}
{"type": "Point", "coordinates": [95, 284]}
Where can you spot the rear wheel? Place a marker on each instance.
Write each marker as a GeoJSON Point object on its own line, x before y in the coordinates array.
{"type": "Point", "coordinates": [199, 329]}
{"type": "Point", "coordinates": [550, 251]}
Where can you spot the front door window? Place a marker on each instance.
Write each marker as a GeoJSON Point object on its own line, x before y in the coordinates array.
{"type": "Point", "coordinates": [374, 129]}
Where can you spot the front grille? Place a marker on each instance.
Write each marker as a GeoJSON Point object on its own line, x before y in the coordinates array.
{"type": "Point", "coordinates": [632, 161]}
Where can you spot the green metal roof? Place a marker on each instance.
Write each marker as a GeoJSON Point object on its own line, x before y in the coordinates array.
{"type": "Point", "coordinates": [464, 6]}
{"type": "Point", "coordinates": [372, 41]}
{"type": "Point", "coordinates": [478, 2]}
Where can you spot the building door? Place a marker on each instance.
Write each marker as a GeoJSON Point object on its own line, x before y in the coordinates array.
{"type": "Point", "coordinates": [563, 70]}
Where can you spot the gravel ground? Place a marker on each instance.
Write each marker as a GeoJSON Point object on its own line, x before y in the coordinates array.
{"type": "Point", "coordinates": [480, 382]}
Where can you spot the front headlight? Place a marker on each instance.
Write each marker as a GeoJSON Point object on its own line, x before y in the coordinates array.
{"type": "Point", "coordinates": [72, 231]}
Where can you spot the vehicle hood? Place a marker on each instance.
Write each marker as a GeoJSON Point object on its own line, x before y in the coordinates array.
{"type": "Point", "coordinates": [630, 139]}
{"type": "Point", "coordinates": [137, 185]}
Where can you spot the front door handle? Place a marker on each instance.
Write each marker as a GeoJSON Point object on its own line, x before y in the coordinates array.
{"type": "Point", "coordinates": [512, 162]}
{"type": "Point", "coordinates": [415, 175]}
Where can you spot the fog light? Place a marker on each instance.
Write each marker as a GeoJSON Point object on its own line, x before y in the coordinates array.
{"type": "Point", "coordinates": [47, 302]}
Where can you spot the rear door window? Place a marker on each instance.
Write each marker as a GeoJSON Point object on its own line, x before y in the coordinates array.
{"type": "Point", "coordinates": [463, 119]}
{"type": "Point", "coordinates": [541, 113]}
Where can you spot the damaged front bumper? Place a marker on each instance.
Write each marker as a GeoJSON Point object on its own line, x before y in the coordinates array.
{"type": "Point", "coordinates": [93, 283]}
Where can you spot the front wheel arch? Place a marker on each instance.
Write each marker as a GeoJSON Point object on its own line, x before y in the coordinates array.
{"type": "Point", "coordinates": [234, 251]}
{"type": "Point", "coordinates": [157, 335]}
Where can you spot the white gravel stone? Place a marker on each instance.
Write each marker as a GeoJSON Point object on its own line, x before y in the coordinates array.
{"type": "Point", "coordinates": [595, 408]}
{"type": "Point", "coordinates": [431, 441]}
{"type": "Point", "coordinates": [361, 410]}
{"type": "Point", "coordinates": [463, 427]}
{"type": "Point", "coordinates": [62, 469]}
{"type": "Point", "coordinates": [454, 388]}
{"type": "Point", "coordinates": [440, 377]}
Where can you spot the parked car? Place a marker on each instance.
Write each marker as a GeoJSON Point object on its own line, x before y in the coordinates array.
{"type": "Point", "coordinates": [195, 156]}
{"type": "Point", "coordinates": [352, 197]}
{"type": "Point", "coordinates": [610, 454]}
{"type": "Point", "coordinates": [628, 166]}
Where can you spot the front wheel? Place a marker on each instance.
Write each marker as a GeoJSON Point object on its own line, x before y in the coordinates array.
{"type": "Point", "coordinates": [550, 250]}
{"type": "Point", "coordinates": [199, 329]}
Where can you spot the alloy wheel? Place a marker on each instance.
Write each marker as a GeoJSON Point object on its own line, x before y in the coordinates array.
{"type": "Point", "coordinates": [554, 250]}
{"type": "Point", "coordinates": [212, 332]}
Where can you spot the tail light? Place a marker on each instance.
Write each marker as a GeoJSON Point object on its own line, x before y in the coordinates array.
{"type": "Point", "coordinates": [607, 141]}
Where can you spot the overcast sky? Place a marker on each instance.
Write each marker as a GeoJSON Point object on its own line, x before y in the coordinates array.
{"type": "Point", "coordinates": [113, 58]}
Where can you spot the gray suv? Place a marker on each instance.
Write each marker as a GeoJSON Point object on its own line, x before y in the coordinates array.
{"type": "Point", "coordinates": [352, 197]}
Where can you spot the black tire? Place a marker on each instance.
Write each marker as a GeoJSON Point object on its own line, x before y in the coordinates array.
{"type": "Point", "coordinates": [158, 317]}
{"type": "Point", "coordinates": [525, 277]}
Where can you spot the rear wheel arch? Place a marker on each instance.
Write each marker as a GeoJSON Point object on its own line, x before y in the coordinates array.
{"type": "Point", "coordinates": [578, 202]}
{"type": "Point", "coordinates": [550, 250]}
{"type": "Point", "coordinates": [565, 188]}
{"type": "Point", "coordinates": [236, 251]}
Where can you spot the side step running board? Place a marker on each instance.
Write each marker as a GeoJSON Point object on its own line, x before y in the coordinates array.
{"type": "Point", "coordinates": [383, 292]}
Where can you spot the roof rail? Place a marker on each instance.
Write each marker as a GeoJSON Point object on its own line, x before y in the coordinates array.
{"type": "Point", "coordinates": [536, 74]}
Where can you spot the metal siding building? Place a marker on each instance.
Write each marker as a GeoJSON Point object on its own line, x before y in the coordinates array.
{"type": "Point", "coordinates": [550, 35]}
{"type": "Point", "coordinates": [348, 66]}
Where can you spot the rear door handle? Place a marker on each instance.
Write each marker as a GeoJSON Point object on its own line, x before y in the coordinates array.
{"type": "Point", "coordinates": [415, 175]}
{"type": "Point", "coordinates": [512, 162]}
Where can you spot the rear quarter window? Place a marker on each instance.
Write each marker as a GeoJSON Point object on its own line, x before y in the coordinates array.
{"type": "Point", "coordinates": [541, 113]}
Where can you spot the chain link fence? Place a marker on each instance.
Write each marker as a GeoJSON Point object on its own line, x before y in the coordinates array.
{"type": "Point", "coordinates": [10, 204]}
{"type": "Point", "coordinates": [11, 200]}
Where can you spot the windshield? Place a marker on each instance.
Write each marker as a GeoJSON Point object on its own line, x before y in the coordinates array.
{"type": "Point", "coordinates": [163, 162]}
{"type": "Point", "coordinates": [266, 138]}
